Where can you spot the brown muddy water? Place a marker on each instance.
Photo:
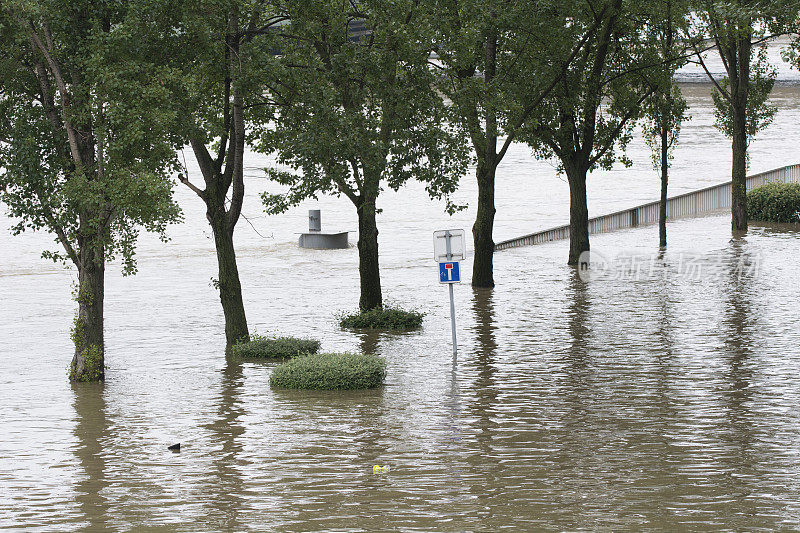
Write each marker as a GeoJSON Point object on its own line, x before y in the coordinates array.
{"type": "Point", "coordinates": [663, 395]}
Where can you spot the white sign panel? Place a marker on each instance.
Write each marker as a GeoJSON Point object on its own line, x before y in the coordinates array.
{"type": "Point", "coordinates": [458, 247]}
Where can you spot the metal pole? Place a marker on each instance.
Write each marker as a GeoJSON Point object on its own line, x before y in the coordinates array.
{"type": "Point", "coordinates": [453, 319]}
{"type": "Point", "coordinates": [452, 302]}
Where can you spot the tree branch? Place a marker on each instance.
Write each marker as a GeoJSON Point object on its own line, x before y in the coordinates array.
{"type": "Point", "coordinates": [530, 108]}
{"type": "Point", "coordinates": [623, 121]}
{"type": "Point", "coordinates": [55, 70]}
{"type": "Point", "coordinates": [185, 180]}
{"type": "Point", "coordinates": [237, 140]}
{"type": "Point", "coordinates": [203, 159]}
{"type": "Point", "coordinates": [722, 91]}
{"type": "Point", "coordinates": [62, 237]}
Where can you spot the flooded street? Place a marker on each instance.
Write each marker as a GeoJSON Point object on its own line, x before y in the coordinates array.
{"type": "Point", "coordinates": [667, 400]}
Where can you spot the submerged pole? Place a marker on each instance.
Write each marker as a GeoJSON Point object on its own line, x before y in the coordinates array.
{"type": "Point", "coordinates": [452, 301]}
{"type": "Point", "coordinates": [453, 319]}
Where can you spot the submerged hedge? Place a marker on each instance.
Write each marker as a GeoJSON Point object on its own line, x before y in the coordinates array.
{"type": "Point", "coordinates": [382, 318]}
{"type": "Point", "coordinates": [774, 202]}
{"type": "Point", "coordinates": [330, 371]}
{"type": "Point", "coordinates": [275, 347]}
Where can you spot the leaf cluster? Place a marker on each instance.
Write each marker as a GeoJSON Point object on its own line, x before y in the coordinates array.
{"type": "Point", "coordinates": [387, 318]}
{"type": "Point", "coordinates": [495, 60]}
{"type": "Point", "coordinates": [588, 119]}
{"type": "Point", "coordinates": [356, 111]}
{"type": "Point", "coordinates": [113, 98]}
{"type": "Point", "coordinates": [330, 371]}
{"type": "Point", "coordinates": [774, 202]}
{"type": "Point", "coordinates": [275, 347]}
{"type": "Point", "coordinates": [759, 112]}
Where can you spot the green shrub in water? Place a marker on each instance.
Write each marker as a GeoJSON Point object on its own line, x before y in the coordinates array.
{"type": "Point", "coordinates": [275, 347]}
{"type": "Point", "coordinates": [330, 371]}
{"type": "Point", "coordinates": [774, 202]}
{"type": "Point", "coordinates": [383, 318]}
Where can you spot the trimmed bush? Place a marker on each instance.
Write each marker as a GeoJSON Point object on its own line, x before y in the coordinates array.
{"type": "Point", "coordinates": [275, 347]}
{"type": "Point", "coordinates": [774, 202]}
{"type": "Point", "coordinates": [330, 371]}
{"type": "Point", "coordinates": [382, 318]}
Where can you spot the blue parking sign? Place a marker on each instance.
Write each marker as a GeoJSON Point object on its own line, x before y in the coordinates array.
{"type": "Point", "coordinates": [449, 272]}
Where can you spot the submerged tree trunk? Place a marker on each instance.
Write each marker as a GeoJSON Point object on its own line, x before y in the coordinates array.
{"type": "Point", "coordinates": [230, 288]}
{"type": "Point", "coordinates": [578, 213]}
{"type": "Point", "coordinates": [223, 222]}
{"type": "Point", "coordinates": [662, 208]}
{"type": "Point", "coordinates": [482, 266]}
{"type": "Point", "coordinates": [738, 64]}
{"type": "Point", "coordinates": [739, 170]}
{"type": "Point", "coordinates": [87, 333]}
{"type": "Point", "coordinates": [368, 268]}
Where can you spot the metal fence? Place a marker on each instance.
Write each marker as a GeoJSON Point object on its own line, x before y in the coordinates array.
{"type": "Point", "coordinates": [685, 205]}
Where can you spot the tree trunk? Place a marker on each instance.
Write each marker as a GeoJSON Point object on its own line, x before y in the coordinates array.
{"type": "Point", "coordinates": [662, 208]}
{"type": "Point", "coordinates": [578, 213]}
{"type": "Point", "coordinates": [738, 65]}
{"type": "Point", "coordinates": [368, 268]}
{"type": "Point", "coordinates": [483, 264]}
{"type": "Point", "coordinates": [739, 169]}
{"type": "Point", "coordinates": [87, 334]}
{"type": "Point", "coordinates": [230, 288]}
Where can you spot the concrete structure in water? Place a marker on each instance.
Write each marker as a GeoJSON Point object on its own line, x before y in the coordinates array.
{"type": "Point", "coordinates": [321, 240]}
{"type": "Point", "coordinates": [695, 203]}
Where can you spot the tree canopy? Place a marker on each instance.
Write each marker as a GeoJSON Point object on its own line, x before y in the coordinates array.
{"type": "Point", "coordinates": [356, 111]}
{"type": "Point", "coordinates": [84, 143]}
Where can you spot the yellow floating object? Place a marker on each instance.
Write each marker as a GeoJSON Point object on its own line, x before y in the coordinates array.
{"type": "Point", "coordinates": [378, 469]}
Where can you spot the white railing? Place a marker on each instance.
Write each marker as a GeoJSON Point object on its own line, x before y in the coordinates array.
{"type": "Point", "coordinates": [685, 205]}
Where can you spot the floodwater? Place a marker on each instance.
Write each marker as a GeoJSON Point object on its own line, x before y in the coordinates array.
{"type": "Point", "coordinates": [661, 397]}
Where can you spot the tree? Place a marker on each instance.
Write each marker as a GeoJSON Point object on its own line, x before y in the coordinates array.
{"type": "Point", "coordinates": [740, 29]}
{"type": "Point", "coordinates": [84, 149]}
{"type": "Point", "coordinates": [356, 111]}
{"type": "Point", "coordinates": [496, 64]}
{"type": "Point", "coordinates": [220, 49]}
{"type": "Point", "coordinates": [593, 108]}
{"type": "Point", "coordinates": [665, 110]}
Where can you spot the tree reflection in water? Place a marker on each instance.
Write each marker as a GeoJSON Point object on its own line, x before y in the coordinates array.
{"type": "Point", "coordinates": [226, 491]}
{"type": "Point", "coordinates": [92, 433]}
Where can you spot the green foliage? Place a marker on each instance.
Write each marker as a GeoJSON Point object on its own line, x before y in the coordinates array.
{"type": "Point", "coordinates": [93, 360]}
{"type": "Point", "coordinates": [389, 318]}
{"type": "Point", "coordinates": [759, 114]}
{"type": "Point", "coordinates": [275, 347]}
{"type": "Point", "coordinates": [775, 202]}
{"type": "Point", "coordinates": [496, 62]}
{"type": "Point", "coordinates": [741, 31]}
{"type": "Point", "coordinates": [664, 112]}
{"type": "Point", "coordinates": [93, 368]}
{"type": "Point", "coordinates": [355, 114]}
{"type": "Point", "coordinates": [587, 121]}
{"type": "Point", "coordinates": [85, 151]}
{"type": "Point", "coordinates": [666, 109]}
{"type": "Point", "coordinates": [330, 371]}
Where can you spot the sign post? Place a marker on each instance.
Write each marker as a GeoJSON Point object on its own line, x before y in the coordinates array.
{"type": "Point", "coordinates": [448, 249]}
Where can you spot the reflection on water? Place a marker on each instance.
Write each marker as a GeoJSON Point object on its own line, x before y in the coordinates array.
{"type": "Point", "coordinates": [668, 402]}
{"type": "Point", "coordinates": [225, 500]}
{"type": "Point", "coordinates": [369, 341]}
{"type": "Point", "coordinates": [92, 433]}
{"type": "Point", "coordinates": [737, 392]}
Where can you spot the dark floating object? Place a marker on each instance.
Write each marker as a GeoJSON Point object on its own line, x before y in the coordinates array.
{"type": "Point", "coordinates": [175, 447]}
